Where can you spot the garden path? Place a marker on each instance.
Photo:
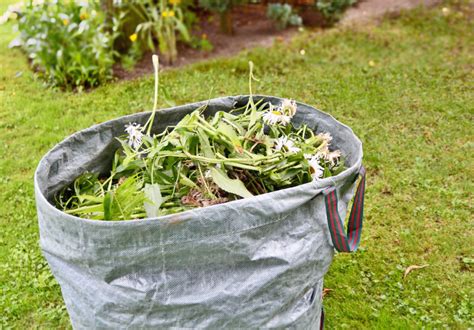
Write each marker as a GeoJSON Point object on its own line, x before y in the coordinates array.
{"type": "Point", "coordinates": [373, 9]}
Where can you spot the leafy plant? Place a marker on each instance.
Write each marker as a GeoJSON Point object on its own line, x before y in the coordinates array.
{"type": "Point", "coordinates": [202, 43]}
{"type": "Point", "coordinates": [202, 161]}
{"type": "Point", "coordinates": [224, 9]}
{"type": "Point", "coordinates": [283, 15]}
{"type": "Point", "coordinates": [68, 43]}
{"type": "Point", "coordinates": [163, 22]}
{"type": "Point", "coordinates": [333, 9]}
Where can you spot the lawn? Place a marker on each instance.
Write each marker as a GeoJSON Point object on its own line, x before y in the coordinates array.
{"type": "Point", "coordinates": [406, 89]}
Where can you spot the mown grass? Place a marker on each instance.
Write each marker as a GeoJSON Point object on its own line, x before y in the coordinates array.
{"type": "Point", "coordinates": [405, 87]}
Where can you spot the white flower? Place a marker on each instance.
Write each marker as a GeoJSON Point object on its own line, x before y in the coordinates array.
{"type": "Point", "coordinates": [325, 136]}
{"type": "Point", "coordinates": [285, 143]}
{"type": "Point", "coordinates": [288, 107]}
{"type": "Point", "coordinates": [333, 156]}
{"type": "Point", "coordinates": [274, 116]}
{"type": "Point", "coordinates": [11, 12]}
{"type": "Point", "coordinates": [323, 151]}
{"type": "Point", "coordinates": [285, 120]}
{"type": "Point", "coordinates": [316, 170]}
{"type": "Point", "coordinates": [135, 135]}
{"type": "Point", "coordinates": [280, 143]}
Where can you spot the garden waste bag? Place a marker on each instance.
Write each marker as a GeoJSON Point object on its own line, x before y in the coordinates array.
{"type": "Point", "coordinates": [250, 263]}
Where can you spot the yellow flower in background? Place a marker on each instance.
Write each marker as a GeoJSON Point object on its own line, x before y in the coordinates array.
{"type": "Point", "coordinates": [84, 16]}
{"type": "Point", "coordinates": [175, 2]}
{"type": "Point", "coordinates": [133, 37]}
{"type": "Point", "coordinates": [66, 22]}
{"type": "Point", "coordinates": [167, 13]}
{"type": "Point", "coordinates": [204, 36]}
{"type": "Point", "coordinates": [371, 63]}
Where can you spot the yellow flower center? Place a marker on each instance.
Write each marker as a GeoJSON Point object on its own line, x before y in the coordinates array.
{"type": "Point", "coordinates": [277, 113]}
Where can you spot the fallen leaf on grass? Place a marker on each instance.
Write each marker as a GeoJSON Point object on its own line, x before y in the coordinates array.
{"type": "Point", "coordinates": [466, 263]}
{"type": "Point", "coordinates": [326, 292]}
{"type": "Point", "coordinates": [412, 267]}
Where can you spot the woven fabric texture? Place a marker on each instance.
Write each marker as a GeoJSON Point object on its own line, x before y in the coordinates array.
{"type": "Point", "coordinates": [251, 263]}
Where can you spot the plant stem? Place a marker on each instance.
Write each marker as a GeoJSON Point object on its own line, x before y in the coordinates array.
{"type": "Point", "coordinates": [156, 67]}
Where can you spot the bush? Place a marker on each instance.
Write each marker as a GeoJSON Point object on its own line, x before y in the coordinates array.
{"type": "Point", "coordinates": [283, 15]}
{"type": "Point", "coordinates": [67, 42]}
{"type": "Point", "coordinates": [333, 9]}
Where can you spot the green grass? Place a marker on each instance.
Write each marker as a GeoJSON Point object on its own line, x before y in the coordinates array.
{"type": "Point", "coordinates": [413, 111]}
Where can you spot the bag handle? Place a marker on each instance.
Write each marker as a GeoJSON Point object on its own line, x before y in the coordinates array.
{"type": "Point", "coordinates": [350, 241]}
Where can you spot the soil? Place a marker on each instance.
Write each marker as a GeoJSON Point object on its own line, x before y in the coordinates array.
{"type": "Point", "coordinates": [253, 29]}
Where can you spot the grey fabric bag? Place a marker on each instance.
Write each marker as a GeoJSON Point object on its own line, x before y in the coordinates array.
{"type": "Point", "coordinates": [252, 263]}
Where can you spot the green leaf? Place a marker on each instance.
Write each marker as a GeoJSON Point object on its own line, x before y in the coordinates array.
{"type": "Point", "coordinates": [229, 132]}
{"type": "Point", "coordinates": [233, 186]}
{"type": "Point", "coordinates": [153, 200]}
{"type": "Point", "coordinates": [90, 198]}
{"type": "Point", "coordinates": [186, 181]}
{"type": "Point", "coordinates": [183, 30]}
{"type": "Point", "coordinates": [128, 198]}
{"type": "Point", "coordinates": [205, 145]}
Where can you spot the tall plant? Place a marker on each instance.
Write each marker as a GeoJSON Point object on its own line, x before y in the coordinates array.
{"type": "Point", "coordinates": [224, 8]}
{"type": "Point", "coordinates": [162, 22]}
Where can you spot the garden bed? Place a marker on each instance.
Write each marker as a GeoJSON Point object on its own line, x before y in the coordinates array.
{"type": "Point", "coordinates": [252, 29]}
{"type": "Point", "coordinates": [77, 46]}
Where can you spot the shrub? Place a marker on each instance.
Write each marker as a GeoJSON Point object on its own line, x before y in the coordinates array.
{"type": "Point", "coordinates": [68, 43]}
{"type": "Point", "coordinates": [283, 15]}
{"type": "Point", "coordinates": [333, 9]}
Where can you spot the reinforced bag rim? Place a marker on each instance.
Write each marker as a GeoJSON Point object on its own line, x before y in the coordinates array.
{"type": "Point", "coordinates": [317, 186]}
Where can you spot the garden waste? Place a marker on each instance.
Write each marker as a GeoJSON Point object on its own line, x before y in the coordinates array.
{"type": "Point", "coordinates": [241, 239]}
